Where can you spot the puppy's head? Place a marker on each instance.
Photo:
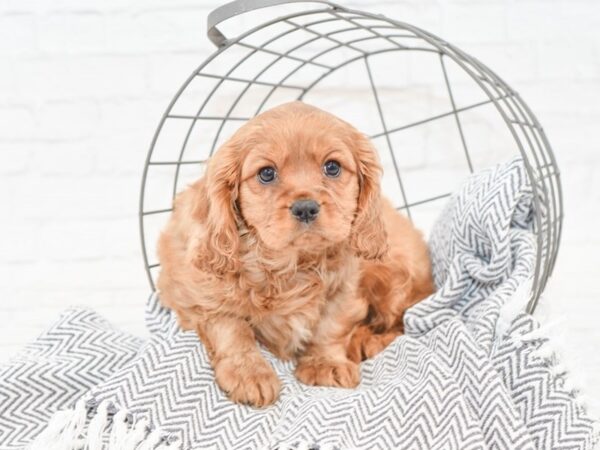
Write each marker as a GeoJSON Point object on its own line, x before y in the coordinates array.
{"type": "Point", "coordinates": [301, 179]}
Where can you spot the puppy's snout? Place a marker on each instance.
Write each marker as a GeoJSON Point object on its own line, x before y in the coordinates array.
{"type": "Point", "coordinates": [305, 210]}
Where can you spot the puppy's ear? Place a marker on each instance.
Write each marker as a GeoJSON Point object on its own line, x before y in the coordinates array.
{"type": "Point", "coordinates": [218, 250]}
{"type": "Point", "coordinates": [368, 237]}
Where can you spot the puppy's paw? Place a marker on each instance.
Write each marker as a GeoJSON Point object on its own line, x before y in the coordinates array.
{"type": "Point", "coordinates": [317, 371]}
{"type": "Point", "coordinates": [248, 379]}
{"type": "Point", "coordinates": [377, 343]}
{"type": "Point", "coordinates": [365, 344]}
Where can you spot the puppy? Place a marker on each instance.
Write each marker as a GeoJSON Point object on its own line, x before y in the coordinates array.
{"type": "Point", "coordinates": [287, 241]}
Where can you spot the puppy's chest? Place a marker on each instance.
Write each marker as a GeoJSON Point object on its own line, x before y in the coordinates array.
{"type": "Point", "coordinates": [279, 293]}
{"type": "Point", "coordinates": [286, 309]}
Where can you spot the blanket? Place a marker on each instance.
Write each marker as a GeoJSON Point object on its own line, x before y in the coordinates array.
{"type": "Point", "coordinates": [466, 375]}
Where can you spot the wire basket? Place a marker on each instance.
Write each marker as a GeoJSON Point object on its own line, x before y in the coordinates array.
{"type": "Point", "coordinates": [434, 113]}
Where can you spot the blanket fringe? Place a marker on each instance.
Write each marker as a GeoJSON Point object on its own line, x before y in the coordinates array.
{"type": "Point", "coordinates": [555, 355]}
{"type": "Point", "coordinates": [110, 428]}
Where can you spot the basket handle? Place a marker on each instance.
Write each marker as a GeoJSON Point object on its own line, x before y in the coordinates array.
{"type": "Point", "coordinates": [231, 9]}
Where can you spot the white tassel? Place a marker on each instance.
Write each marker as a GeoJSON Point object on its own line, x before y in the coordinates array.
{"type": "Point", "coordinates": [97, 427]}
{"type": "Point", "coordinates": [71, 435]}
{"type": "Point", "coordinates": [136, 435]}
{"type": "Point", "coordinates": [65, 431]}
{"type": "Point", "coordinates": [48, 438]}
{"type": "Point", "coordinates": [328, 447]}
{"type": "Point", "coordinates": [119, 431]}
{"type": "Point", "coordinates": [303, 446]}
{"type": "Point", "coordinates": [173, 445]}
{"type": "Point", "coordinates": [151, 441]}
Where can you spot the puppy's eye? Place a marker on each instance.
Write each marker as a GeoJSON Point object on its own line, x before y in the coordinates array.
{"type": "Point", "coordinates": [267, 175]}
{"type": "Point", "coordinates": [332, 168]}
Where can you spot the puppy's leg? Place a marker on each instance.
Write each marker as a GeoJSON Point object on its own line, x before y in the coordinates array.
{"type": "Point", "coordinates": [240, 369]}
{"type": "Point", "coordinates": [390, 289]}
{"type": "Point", "coordinates": [325, 361]}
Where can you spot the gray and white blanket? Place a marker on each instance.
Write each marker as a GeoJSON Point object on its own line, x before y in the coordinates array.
{"type": "Point", "coordinates": [467, 374]}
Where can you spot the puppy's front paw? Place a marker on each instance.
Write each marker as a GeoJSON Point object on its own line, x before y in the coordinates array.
{"type": "Point", "coordinates": [377, 343]}
{"type": "Point", "coordinates": [325, 372]}
{"type": "Point", "coordinates": [248, 379]}
{"type": "Point", "coordinates": [365, 344]}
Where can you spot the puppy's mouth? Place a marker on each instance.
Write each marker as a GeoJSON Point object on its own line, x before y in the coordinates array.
{"type": "Point", "coordinates": [308, 235]}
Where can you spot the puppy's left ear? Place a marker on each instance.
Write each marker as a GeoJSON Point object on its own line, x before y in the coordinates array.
{"type": "Point", "coordinates": [368, 237]}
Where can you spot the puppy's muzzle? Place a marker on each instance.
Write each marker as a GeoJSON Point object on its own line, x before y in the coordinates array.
{"type": "Point", "coordinates": [305, 211]}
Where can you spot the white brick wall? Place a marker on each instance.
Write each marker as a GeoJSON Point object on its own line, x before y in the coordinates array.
{"type": "Point", "coordinates": [83, 85]}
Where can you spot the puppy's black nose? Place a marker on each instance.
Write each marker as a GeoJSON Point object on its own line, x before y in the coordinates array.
{"type": "Point", "coordinates": [305, 210]}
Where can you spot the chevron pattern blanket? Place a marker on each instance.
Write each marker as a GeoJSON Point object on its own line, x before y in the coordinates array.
{"type": "Point", "coordinates": [468, 374]}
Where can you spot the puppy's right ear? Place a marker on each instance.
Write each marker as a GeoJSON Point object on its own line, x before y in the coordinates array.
{"type": "Point", "coordinates": [218, 249]}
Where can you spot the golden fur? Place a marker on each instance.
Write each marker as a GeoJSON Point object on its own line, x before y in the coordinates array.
{"type": "Point", "coordinates": [237, 267]}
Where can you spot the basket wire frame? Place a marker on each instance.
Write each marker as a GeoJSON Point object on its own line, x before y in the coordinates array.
{"type": "Point", "coordinates": [528, 135]}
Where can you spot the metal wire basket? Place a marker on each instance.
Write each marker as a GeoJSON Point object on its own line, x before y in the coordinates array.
{"type": "Point", "coordinates": [434, 113]}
